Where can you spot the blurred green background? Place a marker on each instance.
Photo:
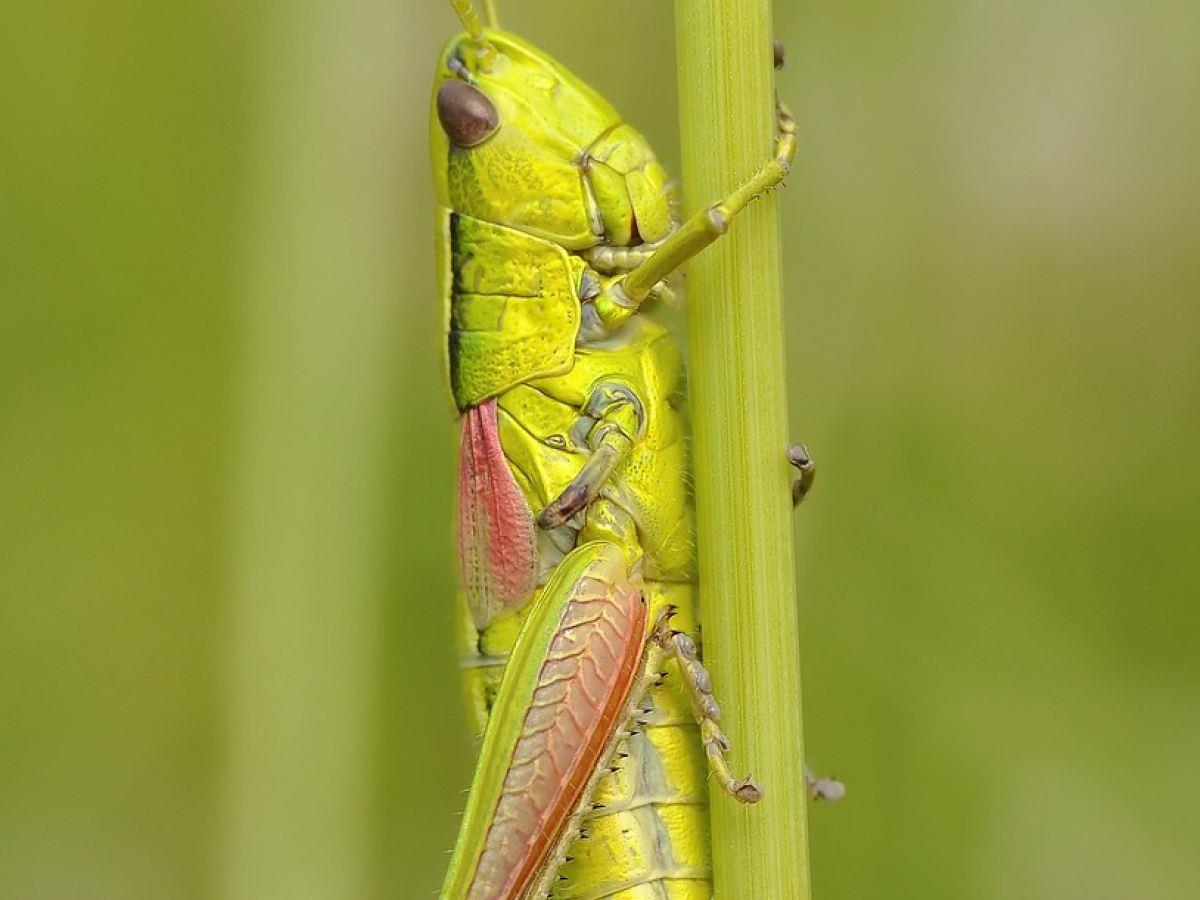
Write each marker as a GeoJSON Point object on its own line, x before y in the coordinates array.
{"type": "Point", "coordinates": [225, 534]}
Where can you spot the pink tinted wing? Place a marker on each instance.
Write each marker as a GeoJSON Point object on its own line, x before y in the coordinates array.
{"type": "Point", "coordinates": [581, 700]}
{"type": "Point", "coordinates": [497, 542]}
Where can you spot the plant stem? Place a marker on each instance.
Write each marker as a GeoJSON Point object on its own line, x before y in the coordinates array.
{"type": "Point", "coordinates": [311, 461]}
{"type": "Point", "coordinates": [743, 501]}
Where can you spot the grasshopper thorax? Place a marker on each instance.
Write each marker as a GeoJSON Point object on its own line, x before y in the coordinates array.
{"type": "Point", "coordinates": [517, 140]}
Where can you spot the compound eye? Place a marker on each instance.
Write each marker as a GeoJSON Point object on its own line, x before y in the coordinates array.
{"type": "Point", "coordinates": [467, 115]}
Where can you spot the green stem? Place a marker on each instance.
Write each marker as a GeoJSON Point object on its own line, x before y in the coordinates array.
{"type": "Point", "coordinates": [742, 476]}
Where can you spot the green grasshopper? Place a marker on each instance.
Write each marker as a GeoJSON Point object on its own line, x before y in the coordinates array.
{"type": "Point", "coordinates": [557, 236]}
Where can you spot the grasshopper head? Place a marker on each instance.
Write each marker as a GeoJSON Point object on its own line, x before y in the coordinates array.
{"type": "Point", "coordinates": [519, 141]}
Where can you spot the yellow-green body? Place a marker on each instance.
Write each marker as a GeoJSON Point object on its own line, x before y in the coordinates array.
{"type": "Point", "coordinates": [535, 226]}
{"type": "Point", "coordinates": [651, 835]}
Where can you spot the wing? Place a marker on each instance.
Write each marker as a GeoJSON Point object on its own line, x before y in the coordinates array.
{"type": "Point", "coordinates": [497, 543]}
{"type": "Point", "coordinates": [573, 675]}
{"type": "Point", "coordinates": [512, 307]}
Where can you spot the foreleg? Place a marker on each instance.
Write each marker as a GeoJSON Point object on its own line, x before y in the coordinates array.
{"type": "Point", "coordinates": [709, 224]}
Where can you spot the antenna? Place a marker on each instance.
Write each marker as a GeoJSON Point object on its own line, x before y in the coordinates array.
{"type": "Point", "coordinates": [465, 11]}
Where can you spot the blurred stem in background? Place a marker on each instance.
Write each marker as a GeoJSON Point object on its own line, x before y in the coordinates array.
{"type": "Point", "coordinates": [740, 437]}
{"type": "Point", "coordinates": [992, 226]}
{"type": "Point", "coordinates": [319, 339]}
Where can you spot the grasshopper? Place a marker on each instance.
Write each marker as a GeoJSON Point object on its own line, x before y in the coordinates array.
{"type": "Point", "coordinates": [557, 239]}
